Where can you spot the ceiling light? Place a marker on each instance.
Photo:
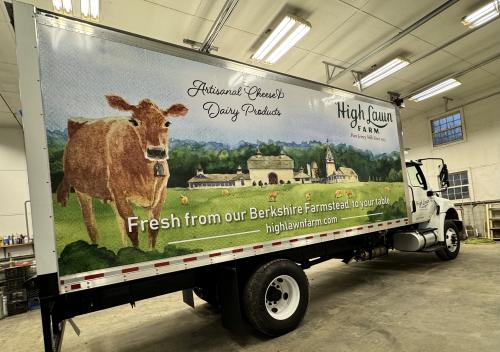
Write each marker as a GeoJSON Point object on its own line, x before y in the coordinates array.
{"type": "Point", "coordinates": [388, 69]}
{"type": "Point", "coordinates": [482, 15]}
{"type": "Point", "coordinates": [90, 9]}
{"type": "Point", "coordinates": [64, 6]}
{"type": "Point", "coordinates": [436, 89]}
{"type": "Point", "coordinates": [289, 31]}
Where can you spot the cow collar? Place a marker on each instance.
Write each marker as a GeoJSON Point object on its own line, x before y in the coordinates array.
{"type": "Point", "coordinates": [158, 170]}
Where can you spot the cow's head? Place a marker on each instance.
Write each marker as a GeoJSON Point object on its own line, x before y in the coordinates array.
{"type": "Point", "coordinates": [150, 123]}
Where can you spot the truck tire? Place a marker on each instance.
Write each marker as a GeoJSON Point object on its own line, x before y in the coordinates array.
{"type": "Point", "coordinates": [208, 294]}
{"type": "Point", "coordinates": [452, 242]}
{"type": "Point", "coordinates": [276, 297]}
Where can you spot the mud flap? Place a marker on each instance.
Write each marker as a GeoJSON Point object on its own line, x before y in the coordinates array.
{"type": "Point", "coordinates": [230, 299]}
{"type": "Point", "coordinates": [187, 297]}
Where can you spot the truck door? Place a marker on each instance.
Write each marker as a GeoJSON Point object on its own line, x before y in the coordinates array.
{"type": "Point", "coordinates": [424, 204]}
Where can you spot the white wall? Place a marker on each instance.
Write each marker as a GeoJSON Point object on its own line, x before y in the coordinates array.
{"type": "Point", "coordinates": [13, 181]}
{"type": "Point", "coordinates": [479, 153]}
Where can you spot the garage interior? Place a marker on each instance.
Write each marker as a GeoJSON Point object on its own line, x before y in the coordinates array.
{"type": "Point", "coordinates": [403, 302]}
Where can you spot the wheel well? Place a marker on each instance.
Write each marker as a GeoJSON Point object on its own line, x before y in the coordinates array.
{"type": "Point", "coordinates": [451, 214]}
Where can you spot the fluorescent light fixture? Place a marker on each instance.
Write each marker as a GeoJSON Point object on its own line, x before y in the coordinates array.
{"type": "Point", "coordinates": [57, 4]}
{"type": "Point", "coordinates": [482, 15]}
{"type": "Point", "coordinates": [289, 31]}
{"type": "Point", "coordinates": [436, 89]}
{"type": "Point", "coordinates": [90, 9]}
{"type": "Point", "coordinates": [64, 6]}
{"type": "Point", "coordinates": [388, 69]}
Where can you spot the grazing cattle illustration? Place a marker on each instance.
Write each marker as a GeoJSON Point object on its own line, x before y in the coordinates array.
{"type": "Point", "coordinates": [348, 193]}
{"type": "Point", "coordinates": [184, 200]}
{"type": "Point", "coordinates": [225, 192]}
{"type": "Point", "coordinates": [272, 196]}
{"type": "Point", "coordinates": [120, 160]}
{"type": "Point", "coordinates": [308, 196]}
{"type": "Point", "coordinates": [387, 189]}
{"type": "Point", "coordinates": [339, 193]}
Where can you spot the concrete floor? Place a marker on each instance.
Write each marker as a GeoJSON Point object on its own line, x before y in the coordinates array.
{"type": "Point", "coordinates": [404, 302]}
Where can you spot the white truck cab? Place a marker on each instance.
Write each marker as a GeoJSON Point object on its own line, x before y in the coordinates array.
{"type": "Point", "coordinates": [436, 225]}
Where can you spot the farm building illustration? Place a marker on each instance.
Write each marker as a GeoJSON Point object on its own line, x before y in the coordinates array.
{"type": "Point", "coordinates": [275, 169]}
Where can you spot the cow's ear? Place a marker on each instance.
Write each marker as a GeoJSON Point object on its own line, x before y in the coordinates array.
{"type": "Point", "coordinates": [176, 110]}
{"type": "Point", "coordinates": [119, 103]}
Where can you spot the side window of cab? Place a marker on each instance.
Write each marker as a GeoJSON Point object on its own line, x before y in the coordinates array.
{"type": "Point", "coordinates": [416, 177]}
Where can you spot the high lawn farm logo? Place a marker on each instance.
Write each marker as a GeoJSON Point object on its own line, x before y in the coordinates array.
{"type": "Point", "coordinates": [370, 120]}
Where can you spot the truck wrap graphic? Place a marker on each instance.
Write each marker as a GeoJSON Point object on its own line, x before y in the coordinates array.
{"type": "Point", "coordinates": [156, 156]}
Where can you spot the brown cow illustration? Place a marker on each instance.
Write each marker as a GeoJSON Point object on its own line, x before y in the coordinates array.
{"type": "Point", "coordinates": [121, 160]}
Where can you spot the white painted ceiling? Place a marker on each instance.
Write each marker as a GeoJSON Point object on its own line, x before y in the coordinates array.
{"type": "Point", "coordinates": [342, 31]}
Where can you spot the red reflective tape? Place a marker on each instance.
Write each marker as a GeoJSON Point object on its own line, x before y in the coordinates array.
{"type": "Point", "coordinates": [360, 228]}
{"type": "Point", "coordinates": [130, 270]}
{"type": "Point", "coordinates": [190, 259]}
{"type": "Point", "coordinates": [370, 226]}
{"type": "Point", "coordinates": [336, 232]}
{"type": "Point", "coordinates": [258, 246]}
{"type": "Point", "coordinates": [389, 223]}
{"type": "Point", "coordinates": [214, 254]}
{"type": "Point", "coordinates": [293, 240]}
{"type": "Point", "coordinates": [93, 276]}
{"type": "Point", "coordinates": [323, 235]}
{"type": "Point", "coordinates": [380, 224]}
{"type": "Point", "coordinates": [157, 265]}
{"type": "Point", "coordinates": [76, 286]}
{"type": "Point", "coordinates": [276, 243]}
{"type": "Point", "coordinates": [309, 237]}
{"type": "Point", "coordinates": [62, 282]}
{"type": "Point", "coordinates": [348, 230]}
{"type": "Point", "coordinates": [398, 221]}
{"type": "Point", "coordinates": [238, 250]}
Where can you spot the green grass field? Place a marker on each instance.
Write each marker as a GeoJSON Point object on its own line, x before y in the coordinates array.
{"type": "Point", "coordinates": [70, 227]}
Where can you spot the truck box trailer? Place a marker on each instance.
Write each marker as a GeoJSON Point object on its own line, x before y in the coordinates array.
{"type": "Point", "coordinates": [154, 168]}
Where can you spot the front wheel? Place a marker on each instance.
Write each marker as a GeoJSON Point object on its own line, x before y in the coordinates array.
{"type": "Point", "coordinates": [276, 297]}
{"type": "Point", "coordinates": [451, 240]}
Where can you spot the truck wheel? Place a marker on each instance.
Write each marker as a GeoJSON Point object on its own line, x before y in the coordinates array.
{"type": "Point", "coordinates": [208, 294]}
{"type": "Point", "coordinates": [451, 241]}
{"type": "Point", "coordinates": [276, 297]}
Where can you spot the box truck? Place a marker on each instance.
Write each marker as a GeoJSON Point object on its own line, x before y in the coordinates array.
{"type": "Point", "coordinates": [154, 168]}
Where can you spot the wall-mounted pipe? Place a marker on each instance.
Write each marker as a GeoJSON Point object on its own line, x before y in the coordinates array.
{"type": "Point", "coordinates": [397, 37]}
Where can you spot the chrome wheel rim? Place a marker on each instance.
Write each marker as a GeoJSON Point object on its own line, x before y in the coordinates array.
{"type": "Point", "coordinates": [451, 240]}
{"type": "Point", "coordinates": [282, 297]}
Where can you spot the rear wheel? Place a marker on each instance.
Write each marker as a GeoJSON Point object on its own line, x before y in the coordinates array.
{"type": "Point", "coordinates": [276, 297]}
{"type": "Point", "coordinates": [452, 242]}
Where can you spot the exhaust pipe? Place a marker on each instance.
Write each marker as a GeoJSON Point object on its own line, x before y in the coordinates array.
{"type": "Point", "coordinates": [414, 241]}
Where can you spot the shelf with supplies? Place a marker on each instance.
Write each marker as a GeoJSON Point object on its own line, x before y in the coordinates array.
{"type": "Point", "coordinates": [493, 221]}
{"type": "Point", "coordinates": [17, 291]}
{"type": "Point", "coordinates": [16, 245]}
{"type": "Point", "coordinates": [17, 250]}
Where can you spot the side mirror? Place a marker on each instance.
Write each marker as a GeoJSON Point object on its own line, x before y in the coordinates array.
{"type": "Point", "coordinates": [443, 177]}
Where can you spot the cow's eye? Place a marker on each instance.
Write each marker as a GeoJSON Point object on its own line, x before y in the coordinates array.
{"type": "Point", "coordinates": [134, 122]}
{"type": "Point", "coordinates": [167, 123]}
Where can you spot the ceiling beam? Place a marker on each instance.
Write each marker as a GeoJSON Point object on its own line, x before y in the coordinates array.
{"type": "Point", "coordinates": [455, 75]}
{"type": "Point", "coordinates": [12, 112]}
{"type": "Point", "coordinates": [219, 22]}
{"type": "Point", "coordinates": [397, 37]}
